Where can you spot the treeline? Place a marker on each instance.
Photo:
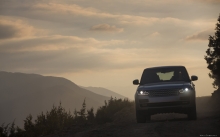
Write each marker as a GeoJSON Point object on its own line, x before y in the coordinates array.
{"type": "Point", "coordinates": [57, 120]}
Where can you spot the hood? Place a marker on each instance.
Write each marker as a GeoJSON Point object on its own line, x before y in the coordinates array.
{"type": "Point", "coordinates": [164, 85]}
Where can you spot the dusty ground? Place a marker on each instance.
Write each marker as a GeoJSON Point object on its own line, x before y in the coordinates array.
{"type": "Point", "coordinates": [161, 125]}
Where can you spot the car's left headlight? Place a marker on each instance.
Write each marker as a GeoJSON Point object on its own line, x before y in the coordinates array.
{"type": "Point", "coordinates": [142, 92]}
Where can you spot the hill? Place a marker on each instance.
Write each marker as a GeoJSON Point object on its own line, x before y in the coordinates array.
{"type": "Point", "coordinates": [104, 92]}
{"type": "Point", "coordinates": [22, 94]}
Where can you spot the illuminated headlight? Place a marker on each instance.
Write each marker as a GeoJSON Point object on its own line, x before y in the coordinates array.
{"type": "Point", "coordinates": [184, 90]}
{"type": "Point", "coordinates": [141, 92]}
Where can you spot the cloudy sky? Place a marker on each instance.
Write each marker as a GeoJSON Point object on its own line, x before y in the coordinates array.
{"type": "Point", "coordinates": [106, 43]}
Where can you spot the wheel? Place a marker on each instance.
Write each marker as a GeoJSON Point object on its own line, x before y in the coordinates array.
{"type": "Point", "coordinates": [140, 116]}
{"type": "Point", "coordinates": [192, 115]}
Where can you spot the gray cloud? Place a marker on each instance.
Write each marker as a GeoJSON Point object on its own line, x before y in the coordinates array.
{"type": "Point", "coordinates": [55, 54]}
{"type": "Point", "coordinates": [202, 35]}
{"type": "Point", "coordinates": [210, 1]}
{"type": "Point", "coordinates": [202, 9]}
{"type": "Point", "coordinates": [75, 17]}
{"type": "Point", "coordinates": [8, 31]}
{"type": "Point", "coordinates": [56, 12]}
{"type": "Point", "coordinates": [63, 54]}
{"type": "Point", "coordinates": [106, 28]}
{"type": "Point", "coordinates": [15, 28]}
{"type": "Point", "coordinates": [50, 62]}
{"type": "Point", "coordinates": [72, 52]}
{"type": "Point", "coordinates": [76, 58]}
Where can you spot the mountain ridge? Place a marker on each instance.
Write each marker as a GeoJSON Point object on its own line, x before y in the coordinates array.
{"type": "Point", "coordinates": [22, 94]}
{"type": "Point", "coordinates": [104, 92]}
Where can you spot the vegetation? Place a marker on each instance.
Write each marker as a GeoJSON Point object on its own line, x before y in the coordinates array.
{"type": "Point", "coordinates": [58, 119]}
{"type": "Point", "coordinates": [105, 113]}
{"type": "Point", "coordinates": [213, 56]}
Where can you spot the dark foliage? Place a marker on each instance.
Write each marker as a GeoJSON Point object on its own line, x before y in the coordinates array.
{"type": "Point", "coordinates": [8, 131]}
{"type": "Point", "coordinates": [80, 116]}
{"type": "Point", "coordinates": [213, 56]}
{"type": "Point", "coordinates": [105, 113]}
{"type": "Point", "coordinates": [90, 116]}
{"type": "Point", "coordinates": [58, 119]}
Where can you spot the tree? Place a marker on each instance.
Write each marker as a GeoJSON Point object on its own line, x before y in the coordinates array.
{"type": "Point", "coordinates": [90, 115]}
{"type": "Point", "coordinates": [213, 56]}
{"type": "Point", "coordinates": [29, 126]}
{"type": "Point", "coordinates": [4, 130]}
{"type": "Point", "coordinates": [80, 116]}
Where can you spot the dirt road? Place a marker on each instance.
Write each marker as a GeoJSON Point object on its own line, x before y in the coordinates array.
{"type": "Point", "coordinates": [172, 127]}
{"type": "Point", "coordinates": [161, 125]}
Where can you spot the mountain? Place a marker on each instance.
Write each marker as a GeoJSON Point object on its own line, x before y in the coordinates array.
{"type": "Point", "coordinates": [104, 92]}
{"type": "Point", "coordinates": [22, 94]}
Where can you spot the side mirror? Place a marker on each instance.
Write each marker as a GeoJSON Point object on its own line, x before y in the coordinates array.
{"type": "Point", "coordinates": [194, 78]}
{"type": "Point", "coordinates": [136, 82]}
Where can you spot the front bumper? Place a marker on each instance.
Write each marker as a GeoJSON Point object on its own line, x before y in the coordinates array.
{"type": "Point", "coordinates": [153, 105]}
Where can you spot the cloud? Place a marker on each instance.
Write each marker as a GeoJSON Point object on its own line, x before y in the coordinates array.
{"type": "Point", "coordinates": [106, 28]}
{"type": "Point", "coordinates": [55, 54]}
{"type": "Point", "coordinates": [7, 31]}
{"type": "Point", "coordinates": [75, 11]}
{"type": "Point", "coordinates": [155, 34]}
{"type": "Point", "coordinates": [64, 8]}
{"type": "Point", "coordinates": [70, 45]}
{"type": "Point", "coordinates": [54, 43]}
{"type": "Point", "coordinates": [140, 12]}
{"type": "Point", "coordinates": [202, 35]}
{"type": "Point", "coordinates": [210, 1]}
{"type": "Point", "coordinates": [64, 54]}
{"type": "Point", "coordinates": [12, 28]}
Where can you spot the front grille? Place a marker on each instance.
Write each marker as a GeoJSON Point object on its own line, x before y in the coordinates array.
{"type": "Point", "coordinates": [163, 104]}
{"type": "Point", "coordinates": [163, 92]}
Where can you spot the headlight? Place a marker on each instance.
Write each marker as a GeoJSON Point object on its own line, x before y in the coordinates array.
{"type": "Point", "coordinates": [185, 90]}
{"type": "Point", "coordinates": [142, 92]}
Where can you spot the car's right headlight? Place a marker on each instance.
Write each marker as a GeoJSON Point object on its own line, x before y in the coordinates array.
{"type": "Point", "coordinates": [185, 90]}
{"type": "Point", "coordinates": [142, 92]}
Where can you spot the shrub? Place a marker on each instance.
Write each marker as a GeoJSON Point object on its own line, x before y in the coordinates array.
{"type": "Point", "coordinates": [58, 119]}
{"type": "Point", "coordinates": [105, 113]}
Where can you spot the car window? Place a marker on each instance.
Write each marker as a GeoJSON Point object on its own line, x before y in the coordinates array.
{"type": "Point", "coordinates": [167, 74]}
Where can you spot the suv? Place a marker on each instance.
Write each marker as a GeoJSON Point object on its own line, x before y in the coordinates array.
{"type": "Point", "coordinates": [165, 89]}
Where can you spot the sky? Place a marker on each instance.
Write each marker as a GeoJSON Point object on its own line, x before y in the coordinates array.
{"type": "Point", "coordinates": [107, 43]}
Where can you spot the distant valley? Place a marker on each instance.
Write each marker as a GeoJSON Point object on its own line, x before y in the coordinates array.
{"type": "Point", "coordinates": [22, 94]}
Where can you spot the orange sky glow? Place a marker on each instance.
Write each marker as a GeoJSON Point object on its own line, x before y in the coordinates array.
{"type": "Point", "coordinates": [107, 43]}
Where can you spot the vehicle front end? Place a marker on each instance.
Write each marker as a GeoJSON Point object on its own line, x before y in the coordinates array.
{"type": "Point", "coordinates": [165, 89]}
{"type": "Point", "coordinates": [165, 98]}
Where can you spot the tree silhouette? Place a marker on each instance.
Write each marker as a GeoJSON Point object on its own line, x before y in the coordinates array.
{"type": "Point", "coordinates": [58, 120]}
{"type": "Point", "coordinates": [213, 56]}
{"type": "Point", "coordinates": [90, 115]}
{"type": "Point", "coordinates": [105, 113]}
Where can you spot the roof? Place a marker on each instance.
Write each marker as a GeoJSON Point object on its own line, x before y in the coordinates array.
{"type": "Point", "coordinates": [166, 67]}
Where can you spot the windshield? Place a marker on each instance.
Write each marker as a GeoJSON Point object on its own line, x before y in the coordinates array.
{"type": "Point", "coordinates": [170, 74]}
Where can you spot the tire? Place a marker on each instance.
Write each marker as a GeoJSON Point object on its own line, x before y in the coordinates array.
{"type": "Point", "coordinates": [192, 115]}
{"type": "Point", "coordinates": [140, 116]}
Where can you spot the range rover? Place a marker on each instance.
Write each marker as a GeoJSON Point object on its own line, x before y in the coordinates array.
{"type": "Point", "coordinates": [165, 89]}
